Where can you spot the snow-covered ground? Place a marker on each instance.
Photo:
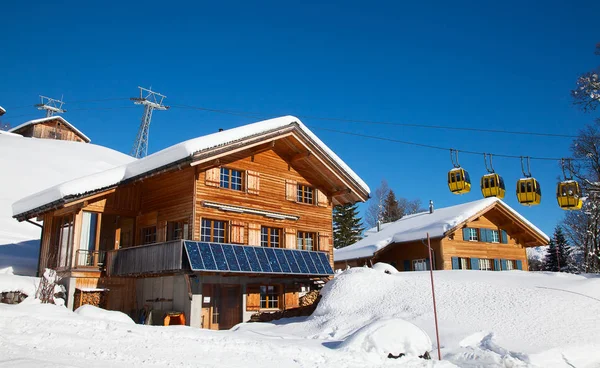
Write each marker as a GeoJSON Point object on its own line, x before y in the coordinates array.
{"type": "Point", "coordinates": [30, 165]}
{"type": "Point", "coordinates": [486, 319]}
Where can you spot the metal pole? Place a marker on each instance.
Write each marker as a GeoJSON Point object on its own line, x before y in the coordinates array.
{"type": "Point", "coordinates": [437, 333]}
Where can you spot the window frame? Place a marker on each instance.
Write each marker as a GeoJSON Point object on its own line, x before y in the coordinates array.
{"type": "Point", "coordinates": [145, 236]}
{"type": "Point", "coordinates": [228, 183]}
{"type": "Point", "coordinates": [212, 236]}
{"type": "Point", "coordinates": [267, 236]}
{"type": "Point", "coordinates": [463, 261]}
{"type": "Point", "coordinates": [510, 264]}
{"type": "Point", "coordinates": [63, 247]}
{"type": "Point", "coordinates": [183, 229]}
{"type": "Point", "coordinates": [473, 234]}
{"type": "Point", "coordinates": [495, 236]}
{"type": "Point", "coordinates": [488, 263]}
{"type": "Point", "coordinates": [270, 297]}
{"type": "Point", "coordinates": [419, 262]}
{"type": "Point", "coordinates": [302, 236]}
{"type": "Point", "coordinates": [305, 194]}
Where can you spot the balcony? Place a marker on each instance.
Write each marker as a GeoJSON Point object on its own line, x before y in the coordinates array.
{"type": "Point", "coordinates": [90, 259]}
{"type": "Point", "coordinates": [145, 259]}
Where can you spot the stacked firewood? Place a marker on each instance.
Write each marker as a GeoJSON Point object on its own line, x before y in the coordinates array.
{"type": "Point", "coordinates": [309, 298]}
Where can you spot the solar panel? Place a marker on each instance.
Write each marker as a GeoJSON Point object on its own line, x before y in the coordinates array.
{"type": "Point", "coordinates": [242, 259]}
{"type": "Point", "coordinates": [273, 262]}
{"type": "Point", "coordinates": [325, 262]}
{"type": "Point", "coordinates": [232, 261]}
{"type": "Point", "coordinates": [252, 259]}
{"type": "Point", "coordinates": [219, 257]}
{"type": "Point", "coordinates": [285, 267]}
{"type": "Point", "coordinates": [248, 259]}
{"type": "Point", "coordinates": [262, 259]}
{"type": "Point", "coordinates": [300, 261]}
{"type": "Point", "coordinates": [207, 257]}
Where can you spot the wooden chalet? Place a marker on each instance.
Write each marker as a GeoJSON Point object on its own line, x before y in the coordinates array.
{"type": "Point", "coordinates": [218, 227]}
{"type": "Point", "coordinates": [482, 235]}
{"type": "Point", "coordinates": [53, 127]}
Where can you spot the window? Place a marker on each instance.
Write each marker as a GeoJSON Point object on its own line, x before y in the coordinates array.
{"type": "Point", "coordinates": [463, 263]}
{"type": "Point", "coordinates": [419, 265]}
{"type": "Point", "coordinates": [305, 240]}
{"type": "Point", "coordinates": [270, 237]}
{"type": "Point", "coordinates": [471, 234]}
{"type": "Point", "coordinates": [63, 240]}
{"type": "Point", "coordinates": [510, 265]}
{"type": "Point", "coordinates": [87, 242]}
{"type": "Point", "coordinates": [213, 231]}
{"type": "Point", "coordinates": [485, 264]}
{"type": "Point", "coordinates": [54, 135]}
{"type": "Point", "coordinates": [495, 236]}
{"type": "Point", "coordinates": [230, 179]}
{"type": "Point", "coordinates": [149, 235]}
{"type": "Point", "coordinates": [269, 296]}
{"type": "Point", "coordinates": [177, 230]}
{"type": "Point", "coordinates": [305, 194]}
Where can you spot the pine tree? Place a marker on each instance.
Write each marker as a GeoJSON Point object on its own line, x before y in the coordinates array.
{"type": "Point", "coordinates": [347, 226]}
{"type": "Point", "coordinates": [391, 208]}
{"type": "Point", "coordinates": [558, 256]}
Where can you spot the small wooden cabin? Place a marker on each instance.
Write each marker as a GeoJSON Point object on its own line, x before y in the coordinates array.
{"type": "Point", "coordinates": [482, 235]}
{"type": "Point", "coordinates": [53, 127]}
{"type": "Point", "coordinates": [218, 227]}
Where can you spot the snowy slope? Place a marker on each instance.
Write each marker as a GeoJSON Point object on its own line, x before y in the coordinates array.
{"type": "Point", "coordinates": [415, 227]}
{"type": "Point", "coordinates": [30, 165]}
{"type": "Point", "coordinates": [170, 155]}
{"type": "Point", "coordinates": [486, 319]}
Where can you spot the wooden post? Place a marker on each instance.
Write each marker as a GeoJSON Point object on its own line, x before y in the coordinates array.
{"type": "Point", "coordinates": [437, 333]}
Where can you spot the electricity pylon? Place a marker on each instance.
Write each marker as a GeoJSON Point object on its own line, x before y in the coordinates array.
{"type": "Point", "coordinates": [151, 101]}
{"type": "Point", "coordinates": [51, 105]}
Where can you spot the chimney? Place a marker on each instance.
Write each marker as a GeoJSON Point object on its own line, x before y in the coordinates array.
{"type": "Point", "coordinates": [378, 225]}
{"type": "Point", "coordinates": [430, 206]}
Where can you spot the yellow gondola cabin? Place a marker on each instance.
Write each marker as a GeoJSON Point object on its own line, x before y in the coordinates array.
{"type": "Point", "coordinates": [492, 185]}
{"type": "Point", "coordinates": [568, 195]}
{"type": "Point", "coordinates": [459, 181]}
{"type": "Point", "coordinates": [529, 192]}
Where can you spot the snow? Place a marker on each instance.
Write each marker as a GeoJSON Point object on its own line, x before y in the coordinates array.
{"type": "Point", "coordinates": [385, 267]}
{"type": "Point", "coordinates": [25, 284]}
{"type": "Point", "coordinates": [486, 319]}
{"type": "Point", "coordinates": [30, 165]}
{"type": "Point", "coordinates": [169, 155]}
{"type": "Point", "coordinates": [93, 312]}
{"type": "Point", "coordinates": [50, 118]}
{"type": "Point", "coordinates": [415, 227]}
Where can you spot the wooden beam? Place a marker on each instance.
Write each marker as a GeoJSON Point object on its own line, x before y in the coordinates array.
{"type": "Point", "coordinates": [300, 156]}
{"type": "Point", "coordinates": [341, 192]}
{"type": "Point", "coordinates": [90, 198]}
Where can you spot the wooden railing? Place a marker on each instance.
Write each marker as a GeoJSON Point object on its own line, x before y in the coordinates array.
{"type": "Point", "coordinates": [90, 258]}
{"type": "Point", "coordinates": [145, 259]}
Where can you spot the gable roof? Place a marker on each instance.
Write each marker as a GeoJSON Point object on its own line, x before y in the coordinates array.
{"type": "Point", "coordinates": [415, 227]}
{"type": "Point", "coordinates": [50, 118]}
{"type": "Point", "coordinates": [193, 150]}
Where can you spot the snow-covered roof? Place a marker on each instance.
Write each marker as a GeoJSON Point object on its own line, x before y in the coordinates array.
{"type": "Point", "coordinates": [415, 227]}
{"type": "Point", "coordinates": [50, 118]}
{"type": "Point", "coordinates": [2, 110]}
{"type": "Point", "coordinates": [169, 156]}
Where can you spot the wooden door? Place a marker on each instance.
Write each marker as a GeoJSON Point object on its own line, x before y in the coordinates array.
{"type": "Point", "coordinates": [230, 309]}
{"type": "Point", "coordinates": [207, 316]}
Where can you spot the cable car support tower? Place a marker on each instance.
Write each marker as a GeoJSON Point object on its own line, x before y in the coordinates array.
{"type": "Point", "coordinates": [151, 101]}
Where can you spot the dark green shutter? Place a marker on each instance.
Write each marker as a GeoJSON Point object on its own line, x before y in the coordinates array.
{"type": "Point", "coordinates": [519, 265]}
{"type": "Point", "coordinates": [474, 263]}
{"type": "Point", "coordinates": [455, 263]}
{"type": "Point", "coordinates": [466, 233]}
{"type": "Point", "coordinates": [497, 265]}
{"type": "Point", "coordinates": [503, 263]}
{"type": "Point", "coordinates": [504, 237]}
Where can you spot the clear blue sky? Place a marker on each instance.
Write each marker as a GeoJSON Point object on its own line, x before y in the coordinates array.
{"type": "Point", "coordinates": [506, 65]}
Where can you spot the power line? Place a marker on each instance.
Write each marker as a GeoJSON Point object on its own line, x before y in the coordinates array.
{"type": "Point", "coordinates": [75, 102]}
{"type": "Point", "coordinates": [442, 127]}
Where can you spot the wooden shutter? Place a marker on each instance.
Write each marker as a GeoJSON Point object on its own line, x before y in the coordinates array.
{"type": "Point", "coordinates": [324, 239]}
{"type": "Point", "coordinates": [291, 299]}
{"type": "Point", "coordinates": [290, 238]}
{"type": "Point", "coordinates": [252, 182]}
{"type": "Point", "coordinates": [427, 265]}
{"type": "Point", "coordinates": [406, 265]}
{"type": "Point", "coordinates": [322, 200]}
{"type": "Point", "coordinates": [497, 265]}
{"type": "Point", "coordinates": [291, 190]}
{"type": "Point", "coordinates": [503, 264]}
{"type": "Point", "coordinates": [455, 263]}
{"type": "Point", "coordinates": [466, 233]}
{"type": "Point", "coordinates": [254, 234]}
{"type": "Point", "coordinates": [474, 263]}
{"type": "Point", "coordinates": [519, 265]}
{"type": "Point", "coordinates": [238, 229]}
{"type": "Point", "coordinates": [252, 297]}
{"type": "Point", "coordinates": [504, 237]}
{"type": "Point", "coordinates": [485, 235]}
{"type": "Point", "coordinates": [213, 177]}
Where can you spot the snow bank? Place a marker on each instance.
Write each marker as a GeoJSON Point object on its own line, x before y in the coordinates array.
{"type": "Point", "coordinates": [167, 156]}
{"type": "Point", "coordinates": [90, 311]}
{"type": "Point", "coordinates": [385, 268]}
{"type": "Point", "coordinates": [24, 284]}
{"type": "Point", "coordinates": [388, 336]}
{"type": "Point", "coordinates": [415, 227]}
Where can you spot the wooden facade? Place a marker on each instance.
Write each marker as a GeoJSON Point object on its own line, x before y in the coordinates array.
{"type": "Point", "coordinates": [506, 250]}
{"type": "Point", "coordinates": [54, 127]}
{"type": "Point", "coordinates": [134, 230]}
